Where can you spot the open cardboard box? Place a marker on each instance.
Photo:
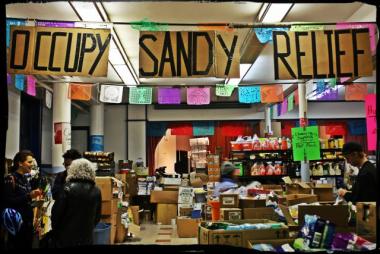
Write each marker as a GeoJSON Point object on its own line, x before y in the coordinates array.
{"type": "Point", "coordinates": [366, 220]}
{"type": "Point", "coordinates": [187, 227]}
{"type": "Point", "coordinates": [240, 238]}
{"type": "Point", "coordinates": [165, 197]}
{"type": "Point", "coordinates": [273, 242]}
{"type": "Point", "coordinates": [249, 202]}
{"type": "Point", "coordinates": [260, 213]}
{"type": "Point", "coordinates": [324, 192]}
{"type": "Point", "coordinates": [296, 187]}
{"type": "Point", "coordinates": [294, 199]}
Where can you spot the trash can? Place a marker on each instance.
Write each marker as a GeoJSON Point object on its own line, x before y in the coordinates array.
{"type": "Point", "coordinates": [102, 233]}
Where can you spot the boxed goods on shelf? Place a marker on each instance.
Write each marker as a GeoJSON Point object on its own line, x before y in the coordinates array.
{"type": "Point", "coordinates": [237, 233]}
{"type": "Point", "coordinates": [260, 213]}
{"type": "Point", "coordinates": [229, 200]}
{"type": "Point", "coordinates": [250, 202]}
{"type": "Point", "coordinates": [230, 214]}
{"type": "Point", "coordinates": [165, 213]}
{"type": "Point", "coordinates": [165, 197]}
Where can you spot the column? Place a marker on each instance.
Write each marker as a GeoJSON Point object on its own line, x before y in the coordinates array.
{"type": "Point", "coordinates": [97, 127]}
{"type": "Point", "coordinates": [305, 173]}
{"type": "Point", "coordinates": [61, 125]}
{"type": "Point", "coordinates": [268, 120]}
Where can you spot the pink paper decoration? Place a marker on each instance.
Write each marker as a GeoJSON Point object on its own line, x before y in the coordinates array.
{"type": "Point", "coordinates": [198, 96]}
{"type": "Point", "coordinates": [31, 85]}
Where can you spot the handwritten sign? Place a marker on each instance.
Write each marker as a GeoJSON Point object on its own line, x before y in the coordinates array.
{"type": "Point", "coordinates": [305, 142]}
{"type": "Point", "coordinates": [111, 94]}
{"type": "Point", "coordinates": [249, 94]}
{"type": "Point", "coordinates": [370, 109]}
{"type": "Point", "coordinates": [141, 95]}
{"type": "Point", "coordinates": [271, 93]}
{"type": "Point", "coordinates": [169, 96]}
{"type": "Point", "coordinates": [59, 51]}
{"type": "Point", "coordinates": [322, 54]}
{"type": "Point", "coordinates": [203, 128]}
{"type": "Point", "coordinates": [356, 92]}
{"type": "Point", "coordinates": [20, 81]}
{"type": "Point", "coordinates": [224, 90]}
{"type": "Point", "coordinates": [198, 96]}
{"type": "Point", "coordinates": [185, 195]}
{"type": "Point", "coordinates": [31, 85]}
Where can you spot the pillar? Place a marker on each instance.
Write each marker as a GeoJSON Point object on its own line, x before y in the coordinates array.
{"type": "Point", "coordinates": [268, 120]}
{"type": "Point", "coordinates": [61, 125]}
{"type": "Point", "coordinates": [97, 127]}
{"type": "Point", "coordinates": [305, 173]}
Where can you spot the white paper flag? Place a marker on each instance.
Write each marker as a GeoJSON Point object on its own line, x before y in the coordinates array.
{"type": "Point", "coordinates": [111, 94]}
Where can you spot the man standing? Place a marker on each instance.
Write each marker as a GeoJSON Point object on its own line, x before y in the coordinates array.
{"type": "Point", "coordinates": [364, 189]}
{"type": "Point", "coordinates": [60, 179]}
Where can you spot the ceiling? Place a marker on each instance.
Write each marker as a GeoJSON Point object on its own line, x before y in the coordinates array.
{"type": "Point", "coordinates": [261, 71]}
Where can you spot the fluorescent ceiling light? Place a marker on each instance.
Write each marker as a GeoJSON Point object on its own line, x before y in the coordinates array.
{"type": "Point", "coordinates": [243, 70]}
{"type": "Point", "coordinates": [272, 13]}
{"type": "Point", "coordinates": [87, 11]}
{"type": "Point", "coordinates": [125, 74]}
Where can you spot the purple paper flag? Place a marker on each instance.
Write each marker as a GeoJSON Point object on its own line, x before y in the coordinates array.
{"type": "Point", "coordinates": [169, 96]}
{"type": "Point", "coordinates": [284, 107]}
{"type": "Point", "coordinates": [55, 24]}
{"type": "Point", "coordinates": [279, 109]}
{"type": "Point", "coordinates": [31, 85]}
{"type": "Point", "coordinates": [198, 96]}
{"type": "Point", "coordinates": [329, 94]}
{"type": "Point", "coordinates": [9, 79]}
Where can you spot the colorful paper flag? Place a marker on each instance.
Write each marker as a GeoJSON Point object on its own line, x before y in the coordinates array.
{"type": "Point", "coordinates": [203, 128]}
{"type": "Point", "coordinates": [181, 129]}
{"type": "Point", "coordinates": [329, 94]}
{"type": "Point", "coordinates": [31, 85]}
{"type": "Point", "coordinates": [157, 129]}
{"type": "Point", "coordinates": [224, 90]}
{"type": "Point", "coordinates": [306, 27]}
{"type": "Point", "coordinates": [264, 34]}
{"type": "Point", "coordinates": [296, 97]}
{"type": "Point", "coordinates": [271, 93]}
{"type": "Point", "coordinates": [356, 92]}
{"type": "Point", "coordinates": [9, 79]}
{"type": "Point", "coordinates": [321, 86]}
{"type": "Point", "coordinates": [20, 81]}
{"type": "Point", "coordinates": [332, 82]}
{"type": "Point", "coordinates": [232, 129]}
{"type": "Point", "coordinates": [291, 102]}
{"type": "Point", "coordinates": [198, 96]}
{"type": "Point", "coordinates": [357, 127]}
{"type": "Point", "coordinates": [336, 129]}
{"type": "Point", "coordinates": [279, 111]}
{"type": "Point", "coordinates": [81, 92]}
{"type": "Point", "coordinates": [111, 94]}
{"type": "Point", "coordinates": [55, 24]}
{"type": "Point", "coordinates": [141, 95]}
{"type": "Point", "coordinates": [249, 94]}
{"type": "Point", "coordinates": [284, 107]}
{"type": "Point", "coordinates": [169, 96]}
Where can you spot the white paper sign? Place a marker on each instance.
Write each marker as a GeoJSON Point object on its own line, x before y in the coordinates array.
{"type": "Point", "coordinates": [111, 94]}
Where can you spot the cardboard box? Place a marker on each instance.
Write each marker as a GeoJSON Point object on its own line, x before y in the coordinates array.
{"type": "Point", "coordinates": [260, 213]}
{"type": "Point", "coordinates": [229, 200]}
{"type": "Point", "coordinates": [134, 210]}
{"type": "Point", "coordinates": [298, 188]}
{"type": "Point", "coordinates": [170, 181]}
{"type": "Point", "coordinates": [240, 238]}
{"type": "Point", "coordinates": [113, 234]}
{"type": "Point", "coordinates": [171, 188]}
{"type": "Point", "coordinates": [273, 187]}
{"type": "Point", "coordinates": [105, 185]}
{"type": "Point", "coordinates": [366, 220]}
{"type": "Point", "coordinates": [250, 202]}
{"type": "Point", "coordinates": [294, 199]}
{"type": "Point", "coordinates": [165, 213]}
{"type": "Point", "coordinates": [165, 197]}
{"type": "Point", "coordinates": [187, 227]}
{"type": "Point", "coordinates": [324, 192]}
{"type": "Point", "coordinates": [185, 209]}
{"type": "Point", "coordinates": [231, 214]}
{"type": "Point", "coordinates": [273, 242]}
{"type": "Point", "coordinates": [109, 207]}
{"type": "Point", "coordinates": [120, 234]}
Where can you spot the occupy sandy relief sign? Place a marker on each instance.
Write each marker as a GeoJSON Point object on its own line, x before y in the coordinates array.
{"type": "Point", "coordinates": [189, 54]}
{"type": "Point", "coordinates": [322, 54]}
{"type": "Point", "coordinates": [59, 51]}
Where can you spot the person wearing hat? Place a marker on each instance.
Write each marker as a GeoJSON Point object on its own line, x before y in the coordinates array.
{"type": "Point", "coordinates": [364, 188]}
{"type": "Point", "coordinates": [227, 181]}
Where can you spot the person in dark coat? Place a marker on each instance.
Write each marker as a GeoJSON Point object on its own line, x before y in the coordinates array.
{"type": "Point", "coordinates": [77, 210]}
{"type": "Point", "coordinates": [18, 194]}
{"type": "Point", "coordinates": [364, 188]}
{"type": "Point", "coordinates": [60, 178]}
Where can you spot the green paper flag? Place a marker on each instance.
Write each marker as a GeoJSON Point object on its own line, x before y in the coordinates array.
{"type": "Point", "coordinates": [291, 102]}
{"type": "Point", "coordinates": [332, 82]}
{"type": "Point", "coordinates": [305, 142]}
{"type": "Point", "coordinates": [141, 95]}
{"type": "Point", "coordinates": [224, 90]}
{"type": "Point", "coordinates": [146, 25]}
{"type": "Point", "coordinates": [306, 27]}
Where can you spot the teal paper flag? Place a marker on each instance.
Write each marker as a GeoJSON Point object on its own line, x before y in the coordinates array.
{"type": "Point", "coordinates": [141, 95]}
{"type": "Point", "coordinates": [203, 128]}
{"type": "Point", "coordinates": [20, 81]}
{"type": "Point", "coordinates": [249, 94]}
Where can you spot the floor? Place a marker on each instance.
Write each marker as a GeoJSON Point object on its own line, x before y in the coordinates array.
{"type": "Point", "coordinates": [158, 234]}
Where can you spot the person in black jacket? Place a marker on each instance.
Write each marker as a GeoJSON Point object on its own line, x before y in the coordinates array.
{"type": "Point", "coordinates": [60, 178]}
{"type": "Point", "coordinates": [77, 210]}
{"type": "Point", "coordinates": [18, 194]}
{"type": "Point", "coordinates": [364, 188]}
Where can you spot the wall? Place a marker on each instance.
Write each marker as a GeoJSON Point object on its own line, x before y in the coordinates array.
{"type": "Point", "coordinates": [13, 133]}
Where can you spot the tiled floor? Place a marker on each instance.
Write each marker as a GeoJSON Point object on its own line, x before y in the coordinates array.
{"type": "Point", "coordinates": [159, 234]}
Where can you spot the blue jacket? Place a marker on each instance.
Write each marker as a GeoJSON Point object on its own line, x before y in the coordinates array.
{"type": "Point", "coordinates": [225, 185]}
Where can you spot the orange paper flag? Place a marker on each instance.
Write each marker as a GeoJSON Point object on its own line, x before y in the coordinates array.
{"type": "Point", "coordinates": [271, 93]}
{"type": "Point", "coordinates": [80, 92]}
{"type": "Point", "coordinates": [356, 92]}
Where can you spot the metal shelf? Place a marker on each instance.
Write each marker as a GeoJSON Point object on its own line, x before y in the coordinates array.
{"type": "Point", "coordinates": [275, 177]}
{"type": "Point", "coordinates": [262, 159]}
{"type": "Point", "coordinates": [262, 151]}
{"type": "Point", "coordinates": [331, 149]}
{"type": "Point", "coordinates": [331, 160]}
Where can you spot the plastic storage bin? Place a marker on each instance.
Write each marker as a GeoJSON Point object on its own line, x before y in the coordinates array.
{"type": "Point", "coordinates": [102, 233]}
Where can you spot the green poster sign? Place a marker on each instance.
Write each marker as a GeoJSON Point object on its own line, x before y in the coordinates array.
{"type": "Point", "coordinates": [305, 142]}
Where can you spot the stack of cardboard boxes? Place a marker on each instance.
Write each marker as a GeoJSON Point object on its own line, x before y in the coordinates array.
{"type": "Point", "coordinates": [213, 168]}
{"type": "Point", "coordinates": [187, 226]}
{"type": "Point", "coordinates": [229, 207]}
{"type": "Point", "coordinates": [166, 209]}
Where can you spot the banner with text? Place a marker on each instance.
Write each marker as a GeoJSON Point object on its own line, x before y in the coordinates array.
{"type": "Point", "coordinates": [305, 142]}
{"type": "Point", "coordinates": [322, 54]}
{"type": "Point", "coordinates": [189, 54]}
{"type": "Point", "coordinates": [370, 111]}
{"type": "Point", "coordinates": [59, 51]}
